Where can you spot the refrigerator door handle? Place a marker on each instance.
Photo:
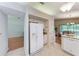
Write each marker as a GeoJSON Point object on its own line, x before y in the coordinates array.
{"type": "Point", "coordinates": [34, 35]}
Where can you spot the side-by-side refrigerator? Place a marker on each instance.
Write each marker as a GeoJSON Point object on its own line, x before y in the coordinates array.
{"type": "Point", "coordinates": [36, 37]}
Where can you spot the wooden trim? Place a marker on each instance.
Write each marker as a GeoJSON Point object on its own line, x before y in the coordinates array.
{"type": "Point", "coordinates": [36, 17]}
{"type": "Point", "coordinates": [15, 42]}
{"type": "Point", "coordinates": [67, 18]}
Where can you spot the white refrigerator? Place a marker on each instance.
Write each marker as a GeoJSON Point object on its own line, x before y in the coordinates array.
{"type": "Point", "coordinates": [36, 37]}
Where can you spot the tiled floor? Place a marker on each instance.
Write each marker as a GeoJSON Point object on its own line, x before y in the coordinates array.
{"type": "Point", "coordinates": [17, 52]}
{"type": "Point", "coordinates": [52, 51]}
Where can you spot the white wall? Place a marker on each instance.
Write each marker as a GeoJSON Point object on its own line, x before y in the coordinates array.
{"type": "Point", "coordinates": [35, 12]}
{"type": "Point", "coordinates": [12, 9]}
{"type": "Point", "coordinates": [26, 33]}
{"type": "Point", "coordinates": [13, 5]}
{"type": "Point", "coordinates": [3, 37]}
{"type": "Point", "coordinates": [15, 26]}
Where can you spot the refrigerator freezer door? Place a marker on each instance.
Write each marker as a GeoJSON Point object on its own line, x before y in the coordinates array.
{"type": "Point", "coordinates": [36, 37]}
{"type": "Point", "coordinates": [39, 36]}
{"type": "Point", "coordinates": [32, 37]}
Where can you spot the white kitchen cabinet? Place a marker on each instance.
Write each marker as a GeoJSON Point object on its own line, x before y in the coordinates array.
{"type": "Point", "coordinates": [36, 37]}
{"type": "Point", "coordinates": [76, 47]}
{"type": "Point", "coordinates": [70, 45]}
{"type": "Point", "coordinates": [66, 44]}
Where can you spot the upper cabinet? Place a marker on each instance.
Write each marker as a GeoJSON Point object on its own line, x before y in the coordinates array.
{"type": "Point", "coordinates": [70, 28]}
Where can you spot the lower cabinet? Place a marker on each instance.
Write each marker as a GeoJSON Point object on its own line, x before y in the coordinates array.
{"type": "Point", "coordinates": [76, 47]}
{"type": "Point", "coordinates": [70, 45]}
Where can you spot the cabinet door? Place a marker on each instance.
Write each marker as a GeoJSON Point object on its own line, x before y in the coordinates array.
{"type": "Point", "coordinates": [39, 36]}
{"type": "Point", "coordinates": [76, 47]}
{"type": "Point", "coordinates": [67, 44]}
{"type": "Point", "coordinates": [33, 40]}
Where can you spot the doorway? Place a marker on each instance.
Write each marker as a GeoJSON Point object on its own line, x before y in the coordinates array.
{"type": "Point", "coordinates": [57, 32]}
{"type": "Point", "coordinates": [15, 32]}
{"type": "Point", "coordinates": [58, 36]}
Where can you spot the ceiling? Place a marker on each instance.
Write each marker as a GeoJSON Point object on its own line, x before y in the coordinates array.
{"type": "Point", "coordinates": [13, 8]}
{"type": "Point", "coordinates": [75, 7]}
{"type": "Point", "coordinates": [52, 8]}
{"type": "Point", "coordinates": [48, 7]}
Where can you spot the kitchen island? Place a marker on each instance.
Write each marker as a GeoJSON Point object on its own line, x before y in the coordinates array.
{"type": "Point", "coordinates": [70, 43]}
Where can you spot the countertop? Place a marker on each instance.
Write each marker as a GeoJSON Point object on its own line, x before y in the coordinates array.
{"type": "Point", "coordinates": [71, 36]}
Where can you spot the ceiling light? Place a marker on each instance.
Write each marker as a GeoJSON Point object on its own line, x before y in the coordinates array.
{"type": "Point", "coordinates": [67, 7]}
{"type": "Point", "coordinates": [42, 3]}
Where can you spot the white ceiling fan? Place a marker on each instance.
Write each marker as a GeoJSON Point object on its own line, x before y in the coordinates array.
{"type": "Point", "coordinates": [67, 6]}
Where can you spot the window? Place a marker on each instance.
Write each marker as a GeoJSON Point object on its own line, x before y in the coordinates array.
{"type": "Point", "coordinates": [74, 28]}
